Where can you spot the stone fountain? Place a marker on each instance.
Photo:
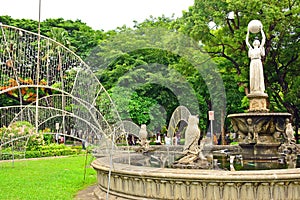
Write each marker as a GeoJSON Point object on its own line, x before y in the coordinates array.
{"type": "Point", "coordinates": [261, 133]}
{"type": "Point", "coordinates": [262, 136]}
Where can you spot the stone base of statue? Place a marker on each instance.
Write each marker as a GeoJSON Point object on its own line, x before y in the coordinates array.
{"type": "Point", "coordinates": [192, 161]}
{"type": "Point", "coordinates": [260, 151]}
{"type": "Point", "coordinates": [258, 102]}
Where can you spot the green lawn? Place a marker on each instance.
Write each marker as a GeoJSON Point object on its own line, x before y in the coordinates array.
{"type": "Point", "coordinates": [52, 178]}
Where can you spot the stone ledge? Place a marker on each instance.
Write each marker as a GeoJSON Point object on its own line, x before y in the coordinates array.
{"type": "Point", "coordinates": [138, 182]}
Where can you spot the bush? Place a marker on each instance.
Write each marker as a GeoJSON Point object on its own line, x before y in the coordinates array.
{"type": "Point", "coordinates": [22, 129]}
{"type": "Point", "coordinates": [8, 154]}
{"type": "Point", "coordinates": [41, 151]}
{"type": "Point", "coordinates": [234, 143]}
{"type": "Point", "coordinates": [33, 154]}
{"type": "Point", "coordinates": [48, 138]}
{"type": "Point", "coordinates": [54, 150]}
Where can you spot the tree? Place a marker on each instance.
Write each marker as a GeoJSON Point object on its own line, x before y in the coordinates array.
{"type": "Point", "coordinates": [221, 26]}
{"type": "Point", "coordinates": [75, 35]}
{"type": "Point", "coordinates": [152, 59]}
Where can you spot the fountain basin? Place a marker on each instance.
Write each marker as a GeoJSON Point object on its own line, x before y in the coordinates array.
{"type": "Point", "coordinates": [140, 182]}
{"type": "Point", "coordinates": [260, 134]}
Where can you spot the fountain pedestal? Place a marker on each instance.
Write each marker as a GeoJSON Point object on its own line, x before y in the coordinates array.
{"type": "Point", "coordinates": [262, 151]}
{"type": "Point", "coordinates": [258, 102]}
{"type": "Point", "coordinates": [260, 134]}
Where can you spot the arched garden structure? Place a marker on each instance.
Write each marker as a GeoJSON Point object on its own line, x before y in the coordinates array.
{"type": "Point", "coordinates": [46, 85]}
{"type": "Point", "coordinates": [180, 114]}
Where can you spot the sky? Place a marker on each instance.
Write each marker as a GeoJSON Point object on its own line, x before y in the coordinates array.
{"type": "Point", "coordinates": [99, 14]}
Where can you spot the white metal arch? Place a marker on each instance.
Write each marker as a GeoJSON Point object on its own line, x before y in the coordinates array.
{"type": "Point", "coordinates": [181, 113]}
{"type": "Point", "coordinates": [31, 64]}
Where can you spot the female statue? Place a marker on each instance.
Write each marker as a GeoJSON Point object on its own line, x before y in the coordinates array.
{"type": "Point", "coordinates": [255, 53]}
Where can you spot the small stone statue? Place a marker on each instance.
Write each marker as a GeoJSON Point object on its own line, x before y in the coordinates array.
{"type": "Point", "coordinates": [143, 139]}
{"type": "Point", "coordinates": [255, 53]}
{"type": "Point", "coordinates": [289, 132]}
{"type": "Point", "coordinates": [192, 136]}
{"type": "Point", "coordinates": [289, 148]}
{"type": "Point", "coordinates": [252, 134]}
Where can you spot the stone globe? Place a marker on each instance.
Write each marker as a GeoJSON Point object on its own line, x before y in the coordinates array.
{"type": "Point", "coordinates": [254, 26]}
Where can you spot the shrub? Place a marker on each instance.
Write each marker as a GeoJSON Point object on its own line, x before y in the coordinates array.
{"type": "Point", "coordinates": [48, 138]}
{"type": "Point", "coordinates": [21, 129]}
{"type": "Point", "coordinates": [42, 151]}
{"type": "Point", "coordinates": [54, 150]}
{"type": "Point", "coordinates": [234, 143]}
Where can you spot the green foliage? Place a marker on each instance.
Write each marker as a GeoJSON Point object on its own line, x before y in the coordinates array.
{"type": "Point", "coordinates": [5, 101]}
{"type": "Point", "coordinates": [53, 150]}
{"type": "Point", "coordinates": [161, 21]}
{"type": "Point", "coordinates": [48, 138]}
{"type": "Point", "coordinates": [22, 129]}
{"type": "Point", "coordinates": [156, 64]}
{"type": "Point", "coordinates": [234, 143]}
{"type": "Point", "coordinates": [41, 151]}
{"type": "Point", "coordinates": [75, 35]}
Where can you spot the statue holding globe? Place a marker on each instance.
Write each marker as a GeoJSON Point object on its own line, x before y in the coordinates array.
{"type": "Point", "coordinates": [255, 53]}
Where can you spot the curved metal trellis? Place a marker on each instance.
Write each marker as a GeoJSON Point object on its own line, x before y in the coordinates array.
{"type": "Point", "coordinates": [126, 128]}
{"type": "Point", "coordinates": [181, 113]}
{"type": "Point", "coordinates": [49, 84]}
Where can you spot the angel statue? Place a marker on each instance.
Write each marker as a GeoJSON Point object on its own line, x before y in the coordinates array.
{"type": "Point", "coordinates": [255, 53]}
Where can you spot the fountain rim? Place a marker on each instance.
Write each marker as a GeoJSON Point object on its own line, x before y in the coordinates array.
{"type": "Point", "coordinates": [102, 164]}
{"type": "Point", "coordinates": [259, 114]}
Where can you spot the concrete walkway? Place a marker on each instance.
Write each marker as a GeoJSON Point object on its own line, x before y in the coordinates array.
{"type": "Point", "coordinates": [87, 194]}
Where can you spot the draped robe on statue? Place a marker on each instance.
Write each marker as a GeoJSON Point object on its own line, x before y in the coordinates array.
{"type": "Point", "coordinates": [256, 70]}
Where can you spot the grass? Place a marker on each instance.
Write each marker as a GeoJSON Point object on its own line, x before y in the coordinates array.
{"type": "Point", "coordinates": [58, 178]}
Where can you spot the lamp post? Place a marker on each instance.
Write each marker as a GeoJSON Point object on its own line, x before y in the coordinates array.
{"type": "Point", "coordinates": [211, 117]}
{"type": "Point", "coordinates": [57, 129]}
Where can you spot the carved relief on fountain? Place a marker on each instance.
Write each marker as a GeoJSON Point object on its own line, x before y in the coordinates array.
{"type": "Point", "coordinates": [258, 103]}
{"type": "Point", "coordinates": [255, 128]}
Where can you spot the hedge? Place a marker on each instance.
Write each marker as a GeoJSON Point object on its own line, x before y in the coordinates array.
{"type": "Point", "coordinates": [42, 151]}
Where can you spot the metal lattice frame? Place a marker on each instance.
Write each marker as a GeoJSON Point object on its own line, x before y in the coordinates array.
{"type": "Point", "coordinates": [181, 113]}
{"type": "Point", "coordinates": [52, 84]}
{"type": "Point", "coordinates": [128, 127]}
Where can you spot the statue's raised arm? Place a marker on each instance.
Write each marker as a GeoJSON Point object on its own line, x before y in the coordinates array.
{"type": "Point", "coordinates": [247, 40]}
{"type": "Point", "coordinates": [263, 41]}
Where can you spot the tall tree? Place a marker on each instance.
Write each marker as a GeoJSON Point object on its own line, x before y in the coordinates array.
{"type": "Point", "coordinates": [76, 35]}
{"type": "Point", "coordinates": [222, 25]}
{"type": "Point", "coordinates": [156, 61]}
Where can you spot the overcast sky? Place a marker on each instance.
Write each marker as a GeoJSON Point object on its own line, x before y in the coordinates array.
{"type": "Point", "coordinates": [99, 14]}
